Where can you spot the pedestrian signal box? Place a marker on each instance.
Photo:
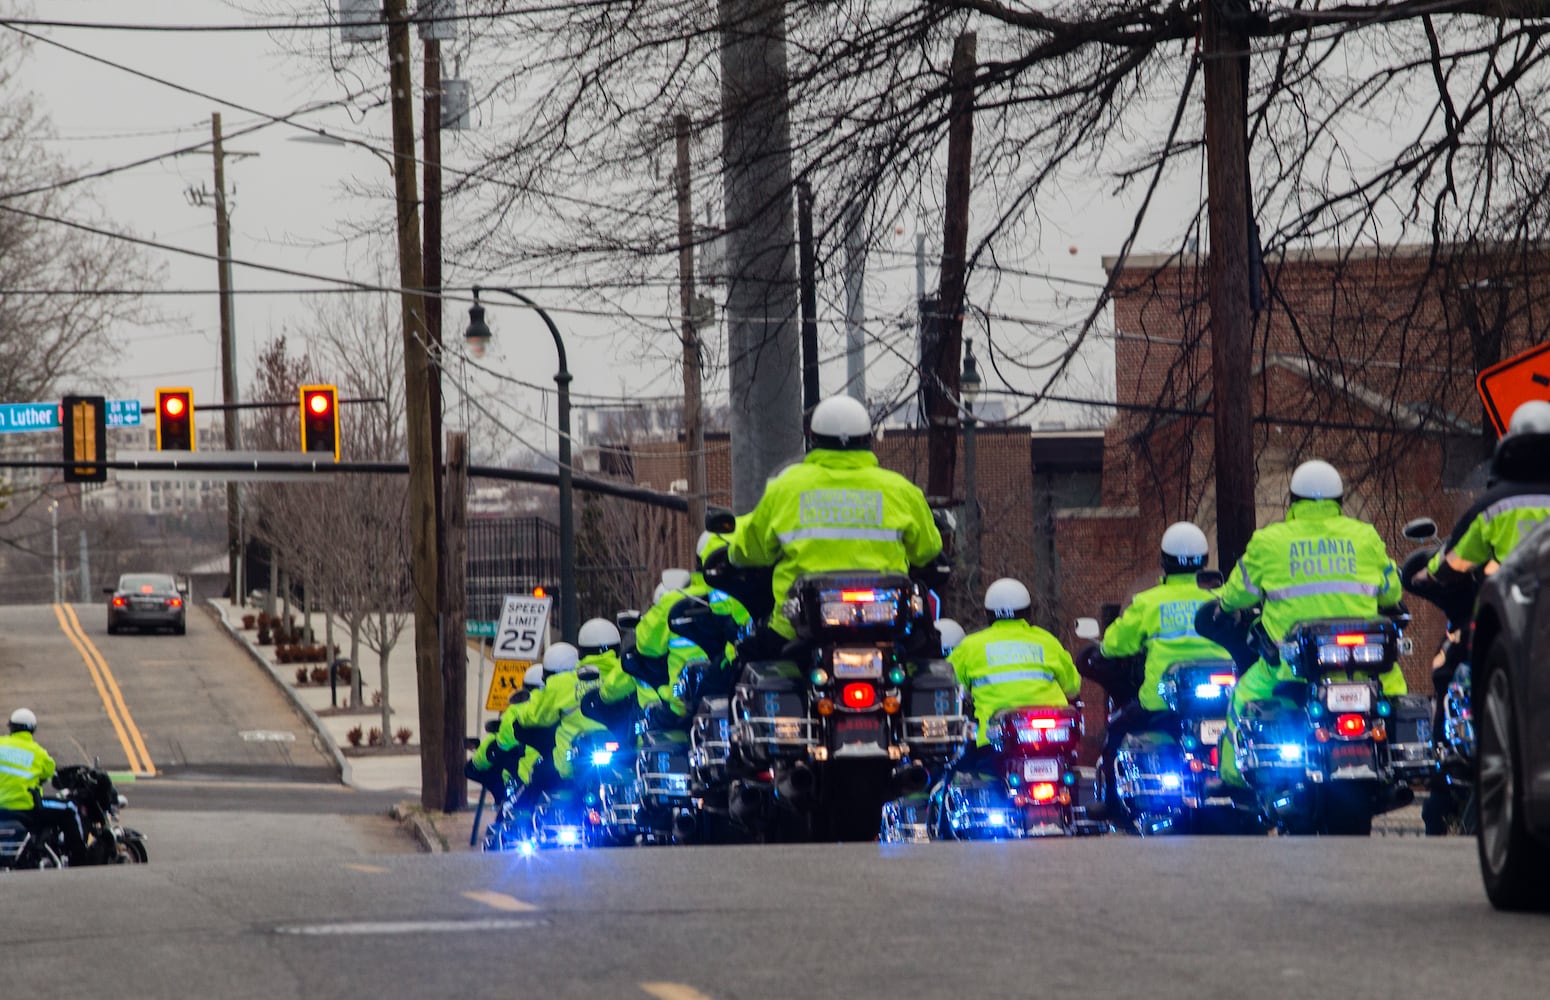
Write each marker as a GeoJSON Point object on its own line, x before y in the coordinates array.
{"type": "Point", "coordinates": [320, 419]}
{"type": "Point", "coordinates": [84, 427]}
{"type": "Point", "coordinates": [174, 420]}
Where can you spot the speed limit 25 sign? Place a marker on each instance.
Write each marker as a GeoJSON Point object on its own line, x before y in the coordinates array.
{"type": "Point", "coordinates": [523, 625]}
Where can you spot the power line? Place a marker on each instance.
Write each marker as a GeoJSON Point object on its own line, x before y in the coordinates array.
{"type": "Point", "coordinates": [411, 19]}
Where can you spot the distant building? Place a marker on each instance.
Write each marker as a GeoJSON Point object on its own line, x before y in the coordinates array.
{"type": "Point", "coordinates": [155, 496]}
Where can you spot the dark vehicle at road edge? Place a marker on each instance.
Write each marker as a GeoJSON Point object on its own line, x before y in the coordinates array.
{"type": "Point", "coordinates": [147, 600]}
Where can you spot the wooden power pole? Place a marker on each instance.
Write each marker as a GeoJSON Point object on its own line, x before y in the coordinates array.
{"type": "Point", "coordinates": [943, 342]}
{"type": "Point", "coordinates": [454, 646]}
{"type": "Point", "coordinates": [807, 277]}
{"type": "Point", "coordinates": [423, 564]}
{"type": "Point", "coordinates": [234, 547]}
{"type": "Point", "coordinates": [694, 415]}
{"type": "Point", "coordinates": [1224, 50]}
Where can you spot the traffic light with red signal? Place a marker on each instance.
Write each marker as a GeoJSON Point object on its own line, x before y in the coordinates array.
{"type": "Point", "coordinates": [320, 419]}
{"type": "Point", "coordinates": [174, 420]}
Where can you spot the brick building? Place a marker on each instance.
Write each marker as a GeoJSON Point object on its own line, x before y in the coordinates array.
{"type": "Point", "coordinates": [1363, 358]}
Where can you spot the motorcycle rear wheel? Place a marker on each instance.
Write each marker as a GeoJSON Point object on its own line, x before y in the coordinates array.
{"type": "Point", "coordinates": [1347, 809]}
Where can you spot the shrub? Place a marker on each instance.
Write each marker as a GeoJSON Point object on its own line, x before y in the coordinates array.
{"type": "Point", "coordinates": [403, 735]}
{"type": "Point", "coordinates": [265, 637]}
{"type": "Point", "coordinates": [345, 672]}
{"type": "Point", "coordinates": [248, 621]}
{"type": "Point", "coordinates": [355, 736]}
{"type": "Point", "coordinates": [301, 675]}
{"type": "Point", "coordinates": [376, 698]}
{"type": "Point", "coordinates": [374, 738]}
{"type": "Point", "coordinates": [320, 675]}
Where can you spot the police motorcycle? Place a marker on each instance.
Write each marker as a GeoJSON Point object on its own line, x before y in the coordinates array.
{"type": "Point", "coordinates": [1024, 783]}
{"type": "Point", "coordinates": [847, 720]}
{"type": "Point", "coordinates": [1326, 756]}
{"type": "Point", "coordinates": [1452, 804]}
{"type": "Point", "coordinates": [1166, 776]}
{"type": "Point", "coordinates": [96, 800]}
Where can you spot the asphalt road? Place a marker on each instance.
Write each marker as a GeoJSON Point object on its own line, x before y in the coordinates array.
{"type": "Point", "coordinates": [235, 767]}
{"type": "Point", "coordinates": [1164, 918]}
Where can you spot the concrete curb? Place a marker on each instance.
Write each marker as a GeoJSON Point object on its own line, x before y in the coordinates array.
{"type": "Point", "coordinates": [412, 818]}
{"type": "Point", "coordinates": [346, 776]}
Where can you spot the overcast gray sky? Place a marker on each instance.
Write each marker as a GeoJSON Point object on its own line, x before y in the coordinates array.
{"type": "Point", "coordinates": [295, 204]}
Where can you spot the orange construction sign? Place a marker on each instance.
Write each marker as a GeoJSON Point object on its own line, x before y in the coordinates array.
{"type": "Point", "coordinates": [1506, 385]}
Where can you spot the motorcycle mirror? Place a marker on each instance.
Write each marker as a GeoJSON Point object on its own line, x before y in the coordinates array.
{"type": "Point", "coordinates": [720, 521]}
{"type": "Point", "coordinates": [1209, 579]}
{"type": "Point", "coordinates": [490, 726]}
{"type": "Point", "coordinates": [1087, 628]}
{"type": "Point", "coordinates": [1422, 529]}
{"type": "Point", "coordinates": [627, 620]}
{"type": "Point", "coordinates": [470, 744]}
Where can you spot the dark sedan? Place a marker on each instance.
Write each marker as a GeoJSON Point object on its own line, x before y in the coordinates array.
{"type": "Point", "coordinates": [1511, 709]}
{"type": "Point", "coordinates": [147, 600]}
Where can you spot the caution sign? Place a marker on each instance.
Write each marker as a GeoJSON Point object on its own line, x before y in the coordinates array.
{"type": "Point", "coordinates": [519, 643]}
{"type": "Point", "coordinates": [506, 681]}
{"type": "Point", "coordinates": [1506, 385]}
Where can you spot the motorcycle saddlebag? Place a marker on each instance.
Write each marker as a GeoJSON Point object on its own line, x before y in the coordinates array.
{"type": "Point", "coordinates": [934, 722]}
{"type": "Point", "coordinates": [1410, 735]}
{"type": "Point", "coordinates": [770, 712]}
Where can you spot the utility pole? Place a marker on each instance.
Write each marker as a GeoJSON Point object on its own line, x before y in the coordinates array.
{"type": "Point", "coordinates": [694, 416]}
{"type": "Point", "coordinates": [807, 276]}
{"type": "Point", "coordinates": [855, 303]}
{"type": "Point", "coordinates": [944, 346]}
{"type": "Point", "coordinates": [417, 403]}
{"type": "Point", "coordinates": [454, 646]}
{"type": "Point", "coordinates": [1224, 51]}
{"type": "Point", "coordinates": [228, 357]}
{"type": "Point", "coordinates": [762, 310]}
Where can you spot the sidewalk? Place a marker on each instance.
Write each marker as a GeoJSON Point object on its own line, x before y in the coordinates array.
{"type": "Point", "coordinates": [393, 769]}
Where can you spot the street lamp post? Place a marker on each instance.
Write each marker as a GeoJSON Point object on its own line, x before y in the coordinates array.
{"type": "Point", "coordinates": [53, 516]}
{"type": "Point", "coordinates": [968, 391]}
{"type": "Point", "coordinates": [478, 336]}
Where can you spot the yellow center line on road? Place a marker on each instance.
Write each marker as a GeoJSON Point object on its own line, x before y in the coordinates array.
{"type": "Point", "coordinates": [107, 688]}
{"type": "Point", "coordinates": [673, 991]}
{"type": "Point", "coordinates": [500, 901]}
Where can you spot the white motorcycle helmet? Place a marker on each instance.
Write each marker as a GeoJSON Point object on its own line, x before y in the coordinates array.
{"type": "Point", "coordinates": [1184, 549]}
{"type": "Point", "coordinates": [1532, 417]}
{"type": "Point", "coordinates": [675, 579]}
{"type": "Point", "coordinates": [597, 635]}
{"type": "Point", "coordinates": [560, 658]}
{"type": "Point", "coordinates": [534, 678]}
{"type": "Point", "coordinates": [840, 423]}
{"type": "Point", "coordinates": [1007, 598]}
{"type": "Point", "coordinates": [951, 633]}
{"type": "Point", "coordinates": [23, 719]}
{"type": "Point", "coordinates": [1317, 480]}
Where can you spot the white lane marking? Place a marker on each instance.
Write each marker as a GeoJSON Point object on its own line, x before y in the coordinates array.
{"type": "Point", "coordinates": [266, 736]}
{"type": "Point", "coordinates": [406, 927]}
{"type": "Point", "coordinates": [499, 901]}
{"type": "Point", "coordinates": [673, 991]}
{"type": "Point", "coordinates": [368, 869]}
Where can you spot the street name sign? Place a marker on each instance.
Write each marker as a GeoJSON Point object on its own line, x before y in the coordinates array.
{"type": "Point", "coordinates": [17, 418]}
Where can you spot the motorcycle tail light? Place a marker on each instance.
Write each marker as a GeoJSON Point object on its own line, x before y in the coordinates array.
{"type": "Point", "coordinates": [859, 696]}
{"type": "Point", "coordinates": [1350, 640]}
{"type": "Point", "coordinates": [1351, 725]}
{"type": "Point", "coordinates": [1216, 757]}
{"type": "Point", "coordinates": [1044, 791]}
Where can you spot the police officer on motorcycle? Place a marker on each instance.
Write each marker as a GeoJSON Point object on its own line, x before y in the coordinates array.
{"type": "Point", "coordinates": [836, 510]}
{"type": "Point", "coordinates": [1012, 663]}
{"type": "Point", "coordinates": [1317, 563]}
{"type": "Point", "coordinates": [1159, 624]}
{"type": "Point", "coordinates": [24, 767]}
{"type": "Point", "coordinates": [1516, 502]}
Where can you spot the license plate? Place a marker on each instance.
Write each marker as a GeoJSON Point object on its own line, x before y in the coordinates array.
{"type": "Point", "coordinates": [1041, 770]}
{"type": "Point", "coordinates": [1348, 697]}
{"type": "Point", "coordinates": [1211, 731]}
{"type": "Point", "coordinates": [858, 730]}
